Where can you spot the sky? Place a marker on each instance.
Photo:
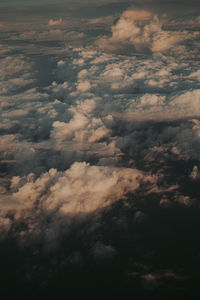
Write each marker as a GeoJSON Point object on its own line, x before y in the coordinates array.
{"type": "Point", "coordinates": [99, 146]}
{"type": "Point", "coordinates": [47, 2]}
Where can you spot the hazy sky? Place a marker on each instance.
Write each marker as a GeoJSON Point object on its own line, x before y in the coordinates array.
{"type": "Point", "coordinates": [48, 1]}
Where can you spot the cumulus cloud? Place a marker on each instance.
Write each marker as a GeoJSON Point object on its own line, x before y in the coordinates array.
{"type": "Point", "coordinates": [99, 141]}
{"type": "Point", "coordinates": [80, 128]}
{"type": "Point", "coordinates": [195, 75]}
{"type": "Point", "coordinates": [53, 22]}
{"type": "Point", "coordinates": [80, 190]}
{"type": "Point", "coordinates": [84, 86]}
{"type": "Point", "coordinates": [58, 90]}
{"type": "Point", "coordinates": [154, 107]}
{"type": "Point", "coordinates": [187, 103]}
{"type": "Point", "coordinates": [141, 31]}
{"type": "Point", "coordinates": [60, 63]}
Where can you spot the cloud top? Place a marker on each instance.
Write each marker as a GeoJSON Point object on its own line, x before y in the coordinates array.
{"type": "Point", "coordinates": [57, 22]}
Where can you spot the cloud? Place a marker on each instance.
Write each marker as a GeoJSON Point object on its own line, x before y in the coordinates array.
{"type": "Point", "coordinates": [80, 128]}
{"type": "Point", "coordinates": [68, 196]}
{"type": "Point", "coordinates": [55, 22]}
{"type": "Point", "coordinates": [15, 75]}
{"type": "Point", "coordinates": [195, 173]}
{"type": "Point", "coordinates": [58, 90]}
{"type": "Point", "coordinates": [141, 31]}
{"type": "Point", "coordinates": [103, 252]}
{"type": "Point", "coordinates": [102, 20]}
{"type": "Point", "coordinates": [195, 75]}
{"type": "Point", "coordinates": [137, 15]}
{"type": "Point", "coordinates": [187, 104]}
{"type": "Point", "coordinates": [155, 107]}
{"type": "Point", "coordinates": [99, 145]}
{"type": "Point", "coordinates": [184, 200]}
{"type": "Point", "coordinates": [166, 274]}
{"type": "Point", "coordinates": [83, 86]}
{"type": "Point", "coordinates": [60, 63]}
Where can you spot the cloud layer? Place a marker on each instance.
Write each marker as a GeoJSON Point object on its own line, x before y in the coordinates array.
{"type": "Point", "coordinates": [99, 146]}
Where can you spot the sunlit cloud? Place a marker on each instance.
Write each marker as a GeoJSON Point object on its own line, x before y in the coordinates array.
{"type": "Point", "coordinates": [99, 145]}
{"type": "Point", "coordinates": [55, 22]}
{"type": "Point", "coordinates": [137, 15]}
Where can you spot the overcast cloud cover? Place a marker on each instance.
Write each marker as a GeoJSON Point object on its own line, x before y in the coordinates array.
{"type": "Point", "coordinates": [100, 145]}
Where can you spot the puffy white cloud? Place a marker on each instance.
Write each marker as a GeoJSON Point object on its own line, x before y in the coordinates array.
{"type": "Point", "coordinates": [79, 191]}
{"type": "Point", "coordinates": [79, 61]}
{"type": "Point", "coordinates": [187, 104]}
{"type": "Point", "coordinates": [154, 107]}
{"type": "Point", "coordinates": [83, 86]}
{"type": "Point", "coordinates": [141, 31]}
{"type": "Point", "coordinates": [91, 187]}
{"type": "Point", "coordinates": [151, 100]}
{"type": "Point", "coordinates": [80, 128]}
{"type": "Point", "coordinates": [195, 75]}
{"type": "Point", "coordinates": [122, 74]}
{"type": "Point", "coordinates": [55, 22]}
{"type": "Point", "coordinates": [82, 188]}
{"type": "Point", "coordinates": [58, 89]}
{"type": "Point", "coordinates": [15, 74]}
{"type": "Point", "coordinates": [60, 63]}
{"type": "Point", "coordinates": [86, 107]}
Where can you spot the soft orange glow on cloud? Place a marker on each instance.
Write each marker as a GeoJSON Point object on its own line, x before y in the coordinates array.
{"type": "Point", "coordinates": [137, 15]}
{"type": "Point", "coordinates": [55, 22]}
{"type": "Point", "coordinates": [103, 20]}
